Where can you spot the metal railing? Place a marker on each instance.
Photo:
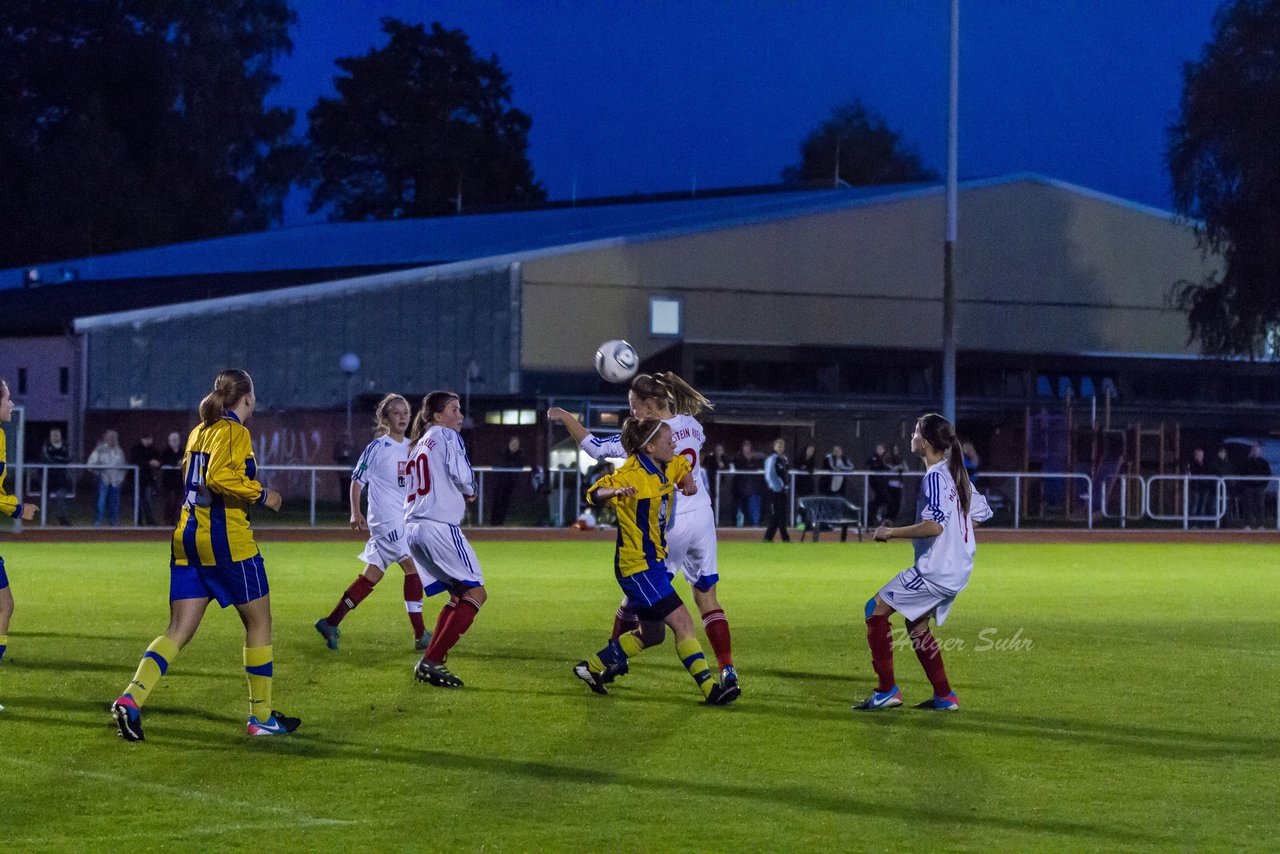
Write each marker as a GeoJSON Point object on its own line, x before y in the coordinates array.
{"type": "Point", "coordinates": [1044, 499]}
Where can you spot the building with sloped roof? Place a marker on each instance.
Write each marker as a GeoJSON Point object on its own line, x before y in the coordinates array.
{"type": "Point", "coordinates": [812, 308]}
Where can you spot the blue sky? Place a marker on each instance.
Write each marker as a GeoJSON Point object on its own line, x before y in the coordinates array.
{"type": "Point", "coordinates": [651, 96]}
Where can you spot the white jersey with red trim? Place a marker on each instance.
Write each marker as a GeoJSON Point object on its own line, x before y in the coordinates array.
{"type": "Point", "coordinates": [946, 561]}
{"type": "Point", "coordinates": [440, 477]}
{"type": "Point", "coordinates": [383, 469]}
{"type": "Point", "coordinates": [689, 438]}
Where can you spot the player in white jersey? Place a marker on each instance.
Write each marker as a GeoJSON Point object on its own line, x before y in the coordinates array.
{"type": "Point", "coordinates": [441, 484]}
{"type": "Point", "coordinates": [382, 469]}
{"type": "Point", "coordinates": [691, 535]}
{"type": "Point", "coordinates": [946, 513]}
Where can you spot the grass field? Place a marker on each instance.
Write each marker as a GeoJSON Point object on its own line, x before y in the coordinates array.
{"type": "Point", "coordinates": [1140, 716]}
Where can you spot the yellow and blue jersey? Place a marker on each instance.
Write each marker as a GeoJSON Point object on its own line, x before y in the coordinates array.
{"type": "Point", "coordinates": [220, 475]}
{"type": "Point", "coordinates": [9, 504]}
{"type": "Point", "coordinates": [642, 518]}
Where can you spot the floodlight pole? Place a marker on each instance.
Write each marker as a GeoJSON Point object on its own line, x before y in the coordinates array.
{"type": "Point", "coordinates": [949, 247]}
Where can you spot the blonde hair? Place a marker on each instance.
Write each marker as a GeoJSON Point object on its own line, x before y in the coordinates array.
{"type": "Point", "coordinates": [381, 420]}
{"type": "Point", "coordinates": [667, 388]}
{"type": "Point", "coordinates": [229, 388]}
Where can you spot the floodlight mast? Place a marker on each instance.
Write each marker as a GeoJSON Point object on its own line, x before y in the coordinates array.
{"type": "Point", "coordinates": [949, 247]}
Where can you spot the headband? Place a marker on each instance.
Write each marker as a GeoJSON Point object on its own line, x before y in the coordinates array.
{"type": "Point", "coordinates": [651, 435]}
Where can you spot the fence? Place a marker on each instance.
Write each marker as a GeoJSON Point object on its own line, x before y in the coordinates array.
{"type": "Point", "coordinates": [313, 497]}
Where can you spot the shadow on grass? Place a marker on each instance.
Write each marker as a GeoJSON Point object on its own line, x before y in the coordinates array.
{"type": "Point", "coordinates": [789, 795]}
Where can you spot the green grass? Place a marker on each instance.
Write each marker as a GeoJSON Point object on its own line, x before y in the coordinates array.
{"type": "Point", "coordinates": [1141, 716]}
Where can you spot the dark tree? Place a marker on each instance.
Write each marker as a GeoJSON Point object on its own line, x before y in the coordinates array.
{"type": "Point", "coordinates": [856, 147]}
{"type": "Point", "coordinates": [132, 123]}
{"type": "Point", "coordinates": [418, 124]}
{"type": "Point", "coordinates": [1224, 159]}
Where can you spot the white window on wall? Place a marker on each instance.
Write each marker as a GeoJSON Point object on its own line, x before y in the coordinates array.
{"type": "Point", "coordinates": [666, 316]}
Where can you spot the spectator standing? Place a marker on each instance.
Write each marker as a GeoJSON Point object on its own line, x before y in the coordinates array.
{"type": "Point", "coordinates": [1200, 492]}
{"type": "Point", "coordinates": [541, 486]}
{"type": "Point", "coordinates": [171, 491]}
{"type": "Point", "coordinates": [879, 462]}
{"type": "Point", "coordinates": [714, 462]}
{"type": "Point", "coordinates": [775, 478]}
{"type": "Point", "coordinates": [1254, 491]}
{"type": "Point", "coordinates": [1222, 467]}
{"type": "Point", "coordinates": [344, 454]}
{"type": "Point", "coordinates": [836, 461]}
{"type": "Point", "coordinates": [806, 480]}
{"type": "Point", "coordinates": [748, 487]}
{"type": "Point", "coordinates": [146, 457]}
{"type": "Point", "coordinates": [54, 452]}
{"type": "Point", "coordinates": [505, 481]}
{"type": "Point", "coordinates": [107, 463]}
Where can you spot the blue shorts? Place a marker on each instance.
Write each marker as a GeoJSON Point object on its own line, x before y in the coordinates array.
{"type": "Point", "coordinates": [648, 588]}
{"type": "Point", "coordinates": [233, 584]}
{"type": "Point", "coordinates": [4, 579]}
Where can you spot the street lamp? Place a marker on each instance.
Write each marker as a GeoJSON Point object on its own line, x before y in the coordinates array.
{"type": "Point", "coordinates": [350, 365]}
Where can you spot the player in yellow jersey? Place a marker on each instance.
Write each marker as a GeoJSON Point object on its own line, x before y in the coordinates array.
{"type": "Point", "coordinates": [644, 494]}
{"type": "Point", "coordinates": [10, 506]}
{"type": "Point", "coordinates": [214, 557]}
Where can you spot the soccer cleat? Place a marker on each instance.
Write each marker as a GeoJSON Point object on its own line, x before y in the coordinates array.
{"type": "Point", "coordinates": [328, 632]}
{"type": "Point", "coordinates": [423, 642]}
{"type": "Point", "coordinates": [277, 724]}
{"type": "Point", "coordinates": [881, 700]}
{"type": "Point", "coordinates": [949, 703]}
{"type": "Point", "coordinates": [729, 676]}
{"type": "Point", "coordinates": [723, 695]}
{"type": "Point", "coordinates": [595, 681]}
{"type": "Point", "coordinates": [436, 674]}
{"type": "Point", "coordinates": [613, 671]}
{"type": "Point", "coordinates": [128, 718]}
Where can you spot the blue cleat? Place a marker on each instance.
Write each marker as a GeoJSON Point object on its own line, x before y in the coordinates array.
{"type": "Point", "coordinates": [423, 642]}
{"type": "Point", "coordinates": [949, 703]}
{"type": "Point", "coordinates": [276, 724]}
{"type": "Point", "coordinates": [880, 700]}
{"type": "Point", "coordinates": [128, 718]}
{"type": "Point", "coordinates": [328, 632]}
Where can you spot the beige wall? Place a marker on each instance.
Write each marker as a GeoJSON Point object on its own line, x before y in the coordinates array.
{"type": "Point", "coordinates": [1040, 269]}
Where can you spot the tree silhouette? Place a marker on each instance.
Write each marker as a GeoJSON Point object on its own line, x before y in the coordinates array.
{"type": "Point", "coordinates": [854, 146]}
{"type": "Point", "coordinates": [420, 127]}
{"type": "Point", "coordinates": [1224, 160]}
{"type": "Point", "coordinates": [134, 123]}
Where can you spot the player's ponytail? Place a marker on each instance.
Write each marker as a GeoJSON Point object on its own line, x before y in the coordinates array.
{"type": "Point", "coordinates": [381, 421]}
{"type": "Point", "coordinates": [432, 404]}
{"type": "Point", "coordinates": [671, 392]}
{"type": "Point", "coordinates": [937, 431]}
{"type": "Point", "coordinates": [638, 432]}
{"type": "Point", "coordinates": [229, 388]}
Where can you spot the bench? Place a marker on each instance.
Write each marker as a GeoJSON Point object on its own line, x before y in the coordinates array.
{"type": "Point", "coordinates": [820, 513]}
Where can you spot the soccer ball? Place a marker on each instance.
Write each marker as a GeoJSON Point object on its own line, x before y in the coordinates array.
{"type": "Point", "coordinates": [617, 361]}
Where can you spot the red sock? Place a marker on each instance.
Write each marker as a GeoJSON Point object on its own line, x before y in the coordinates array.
{"type": "Point", "coordinates": [880, 639]}
{"type": "Point", "coordinates": [624, 621]}
{"type": "Point", "coordinates": [443, 618]}
{"type": "Point", "coordinates": [463, 614]}
{"type": "Point", "coordinates": [355, 594]}
{"type": "Point", "coordinates": [413, 603]}
{"type": "Point", "coordinates": [717, 627]}
{"type": "Point", "coordinates": [926, 647]}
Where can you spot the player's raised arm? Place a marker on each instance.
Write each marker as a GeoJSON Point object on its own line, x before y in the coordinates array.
{"type": "Point", "coordinates": [593, 446]}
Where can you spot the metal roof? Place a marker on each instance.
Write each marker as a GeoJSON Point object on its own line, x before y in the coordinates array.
{"type": "Point", "coordinates": [405, 243]}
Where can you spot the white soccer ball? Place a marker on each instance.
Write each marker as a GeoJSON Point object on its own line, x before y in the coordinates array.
{"type": "Point", "coordinates": [617, 361]}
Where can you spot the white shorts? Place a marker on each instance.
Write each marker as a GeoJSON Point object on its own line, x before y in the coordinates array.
{"type": "Point", "coordinates": [691, 547]}
{"type": "Point", "coordinates": [907, 594]}
{"type": "Point", "coordinates": [382, 550]}
{"type": "Point", "coordinates": [444, 557]}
